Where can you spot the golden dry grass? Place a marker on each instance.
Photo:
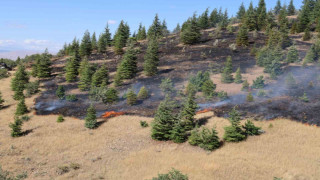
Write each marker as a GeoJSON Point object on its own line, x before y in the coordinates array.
{"type": "Point", "coordinates": [121, 149]}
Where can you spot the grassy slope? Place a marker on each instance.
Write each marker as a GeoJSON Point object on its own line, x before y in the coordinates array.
{"type": "Point", "coordinates": [121, 149]}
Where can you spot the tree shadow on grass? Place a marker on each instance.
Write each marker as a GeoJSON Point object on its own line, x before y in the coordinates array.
{"type": "Point", "coordinates": [203, 121]}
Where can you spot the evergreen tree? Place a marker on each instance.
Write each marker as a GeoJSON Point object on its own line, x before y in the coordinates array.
{"type": "Point", "coordinates": [100, 77]}
{"type": "Point", "coordinates": [74, 46]}
{"type": "Point", "coordinates": [208, 88]}
{"type": "Point", "coordinates": [91, 118]}
{"type": "Point", "coordinates": [241, 12]}
{"type": "Point", "coordinates": [213, 19]}
{"type": "Point", "coordinates": [305, 15]}
{"type": "Point", "coordinates": [250, 97]}
{"type": "Point", "coordinates": [102, 44]}
{"type": "Point", "coordinates": [60, 119]}
{"type": "Point", "coordinates": [142, 35]}
{"type": "Point", "coordinates": [191, 34]}
{"type": "Point", "coordinates": [60, 92]}
{"type": "Point", "coordinates": [83, 64]}
{"type": "Point", "coordinates": [238, 77]}
{"type": "Point", "coordinates": [234, 133]}
{"type": "Point", "coordinates": [258, 83]}
{"type": "Point", "coordinates": [164, 28]}
{"type": "Point", "coordinates": [85, 78]}
{"type": "Point", "coordinates": [226, 76]}
{"type": "Point", "coordinates": [155, 30]}
{"type": "Point", "coordinates": [131, 97]}
{"type": "Point", "coordinates": [19, 81]}
{"type": "Point", "coordinates": [245, 86]}
{"type": "Point", "coordinates": [204, 20]}
{"type": "Point", "coordinates": [177, 29]}
{"type": "Point", "coordinates": [250, 129]}
{"type": "Point", "coordinates": [110, 96]}
{"type": "Point", "coordinates": [291, 9]}
{"type": "Point", "coordinates": [72, 70]}
{"type": "Point", "coordinates": [121, 37]}
{"type": "Point", "coordinates": [186, 116]}
{"type": "Point", "coordinates": [224, 20]}
{"type": "Point", "coordinates": [293, 55]}
{"type": "Point", "coordinates": [16, 127]}
{"type": "Point", "coordinates": [107, 36]}
{"type": "Point", "coordinates": [242, 37]}
{"type": "Point", "coordinates": [143, 93]}
{"type": "Point", "coordinates": [86, 44]}
{"type": "Point", "coordinates": [261, 15]}
{"type": "Point", "coordinates": [278, 7]}
{"type": "Point", "coordinates": [1, 101]}
{"type": "Point", "coordinates": [178, 133]}
{"type": "Point", "coordinates": [94, 42]}
{"type": "Point", "coordinates": [250, 18]}
{"type": "Point", "coordinates": [306, 35]}
{"type": "Point", "coordinates": [21, 108]}
{"type": "Point", "coordinates": [294, 28]}
{"type": "Point", "coordinates": [151, 58]}
{"type": "Point", "coordinates": [209, 139]}
{"type": "Point", "coordinates": [164, 121]}
{"type": "Point", "coordinates": [128, 66]}
{"type": "Point", "coordinates": [44, 66]}
{"type": "Point", "coordinates": [34, 70]}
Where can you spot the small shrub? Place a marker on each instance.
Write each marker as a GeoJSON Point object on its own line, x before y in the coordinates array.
{"type": "Point", "coordinates": [311, 85]}
{"type": "Point", "coordinates": [75, 166]}
{"type": "Point", "coordinates": [4, 73]}
{"type": "Point", "coordinates": [245, 86]}
{"type": "Point", "coordinates": [110, 96]}
{"type": "Point", "coordinates": [32, 88]}
{"type": "Point", "coordinates": [60, 92]}
{"type": "Point", "coordinates": [25, 118]}
{"type": "Point", "coordinates": [222, 95]}
{"type": "Point", "coordinates": [144, 124]}
{"type": "Point", "coordinates": [63, 169]}
{"type": "Point", "coordinates": [131, 98]}
{"type": "Point", "coordinates": [208, 88]}
{"type": "Point", "coordinates": [205, 139]}
{"type": "Point", "coordinates": [304, 98]}
{"type": "Point", "coordinates": [250, 97]}
{"type": "Point", "coordinates": [16, 127]}
{"type": "Point", "coordinates": [143, 93]}
{"type": "Point", "coordinates": [172, 175]}
{"type": "Point", "coordinates": [258, 83]}
{"type": "Point", "coordinates": [251, 129]}
{"type": "Point", "coordinates": [199, 79]}
{"type": "Point", "coordinates": [262, 93]}
{"type": "Point", "coordinates": [270, 125]}
{"type": "Point", "coordinates": [71, 98]}
{"type": "Point", "coordinates": [60, 119]}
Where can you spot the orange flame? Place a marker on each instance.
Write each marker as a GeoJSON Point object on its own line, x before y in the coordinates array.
{"type": "Point", "coordinates": [204, 111]}
{"type": "Point", "coordinates": [110, 114]}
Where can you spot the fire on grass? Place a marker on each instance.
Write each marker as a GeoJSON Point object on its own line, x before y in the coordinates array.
{"type": "Point", "coordinates": [110, 114]}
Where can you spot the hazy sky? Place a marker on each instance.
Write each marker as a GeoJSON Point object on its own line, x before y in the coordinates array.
{"type": "Point", "coordinates": [37, 24]}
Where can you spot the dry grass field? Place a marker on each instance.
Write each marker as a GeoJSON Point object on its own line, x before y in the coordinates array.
{"type": "Point", "coordinates": [121, 149]}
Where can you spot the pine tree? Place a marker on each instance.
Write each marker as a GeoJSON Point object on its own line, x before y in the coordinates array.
{"type": "Point", "coordinates": [21, 108]}
{"type": "Point", "coordinates": [128, 66]}
{"type": "Point", "coordinates": [121, 37]}
{"type": "Point", "coordinates": [86, 45]}
{"type": "Point", "coordinates": [83, 64]}
{"type": "Point", "coordinates": [204, 20]}
{"type": "Point", "coordinates": [16, 127]}
{"type": "Point", "coordinates": [155, 30]}
{"type": "Point", "coordinates": [250, 129]}
{"type": "Point", "coordinates": [258, 83]}
{"type": "Point", "coordinates": [305, 15]}
{"type": "Point", "coordinates": [164, 28]}
{"type": "Point", "coordinates": [142, 35]}
{"type": "Point", "coordinates": [60, 92]}
{"type": "Point", "coordinates": [94, 42]}
{"type": "Point", "coordinates": [131, 97]}
{"type": "Point", "coordinates": [234, 133]}
{"type": "Point", "coordinates": [107, 36]}
{"type": "Point", "coordinates": [245, 86]}
{"type": "Point", "coordinates": [85, 78]}
{"type": "Point", "coordinates": [278, 7]}
{"type": "Point", "coordinates": [34, 70]}
{"type": "Point", "coordinates": [241, 12]}
{"type": "Point", "coordinates": [100, 77]}
{"type": "Point", "coordinates": [213, 19]}
{"type": "Point", "coordinates": [238, 77]}
{"type": "Point", "coordinates": [250, 97]}
{"type": "Point", "coordinates": [151, 58]}
{"type": "Point", "coordinates": [310, 56]}
{"type": "Point", "coordinates": [164, 121]}
{"type": "Point", "coordinates": [102, 44]}
{"type": "Point", "coordinates": [72, 70]}
{"type": "Point", "coordinates": [60, 119]}
{"type": "Point", "coordinates": [242, 37]}
{"type": "Point", "coordinates": [44, 66]}
{"type": "Point", "coordinates": [143, 93]}
{"type": "Point", "coordinates": [261, 15]}
{"type": "Point", "coordinates": [186, 115]}
{"type": "Point", "coordinates": [110, 96]}
{"type": "Point", "coordinates": [306, 35]}
{"type": "Point", "coordinates": [291, 9]}
{"type": "Point", "coordinates": [209, 139]}
{"type": "Point", "coordinates": [191, 33]}
{"type": "Point", "coordinates": [177, 29]}
{"type": "Point", "coordinates": [1, 101]}
{"type": "Point", "coordinates": [208, 88]}
{"type": "Point", "coordinates": [293, 55]}
{"type": "Point", "coordinates": [91, 118]}
{"type": "Point", "coordinates": [226, 76]}
{"type": "Point", "coordinates": [19, 81]}
{"type": "Point", "coordinates": [250, 18]}
{"type": "Point", "coordinates": [178, 133]}
{"type": "Point", "coordinates": [294, 28]}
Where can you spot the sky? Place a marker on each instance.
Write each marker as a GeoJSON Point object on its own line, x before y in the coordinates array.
{"type": "Point", "coordinates": [39, 24]}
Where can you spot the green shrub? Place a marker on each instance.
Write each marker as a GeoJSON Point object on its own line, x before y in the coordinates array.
{"type": "Point", "coordinates": [21, 108]}
{"type": "Point", "coordinates": [60, 119]}
{"type": "Point", "coordinates": [262, 93]}
{"type": "Point", "coordinates": [144, 124]}
{"type": "Point", "coordinates": [110, 96]}
{"type": "Point", "coordinates": [172, 175]}
{"type": "Point", "coordinates": [222, 95]}
{"type": "Point", "coordinates": [60, 92]}
{"type": "Point", "coordinates": [198, 80]}
{"type": "Point", "coordinates": [234, 133]}
{"type": "Point", "coordinates": [3, 73]}
{"type": "Point", "coordinates": [131, 98]}
{"type": "Point", "coordinates": [250, 97]}
{"type": "Point", "coordinates": [245, 86]}
{"type": "Point", "coordinates": [16, 127]}
{"type": "Point", "coordinates": [166, 86]}
{"type": "Point", "coordinates": [32, 88]}
{"type": "Point", "coordinates": [208, 88]}
{"type": "Point", "coordinates": [143, 93]}
{"type": "Point", "coordinates": [205, 139]}
{"type": "Point", "coordinates": [71, 98]}
{"type": "Point", "coordinates": [250, 129]}
{"type": "Point", "coordinates": [25, 118]}
{"type": "Point", "coordinates": [258, 83]}
{"type": "Point", "coordinates": [304, 98]}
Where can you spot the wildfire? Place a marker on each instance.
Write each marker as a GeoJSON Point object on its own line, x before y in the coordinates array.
{"type": "Point", "coordinates": [110, 114]}
{"type": "Point", "coordinates": [204, 111]}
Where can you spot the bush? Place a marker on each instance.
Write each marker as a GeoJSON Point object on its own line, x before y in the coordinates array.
{"type": "Point", "coordinates": [234, 133]}
{"type": "Point", "coordinates": [166, 86]}
{"type": "Point", "coordinates": [75, 166]}
{"type": "Point", "coordinates": [25, 118]}
{"type": "Point", "coordinates": [250, 97]}
{"type": "Point", "coordinates": [16, 127]}
{"type": "Point", "coordinates": [143, 93]}
{"type": "Point", "coordinates": [258, 83]}
{"type": "Point", "coordinates": [144, 124]}
{"type": "Point", "coordinates": [3, 73]}
{"type": "Point", "coordinates": [21, 108]}
{"type": "Point", "coordinates": [304, 98]}
{"type": "Point", "coordinates": [205, 139]}
{"type": "Point", "coordinates": [208, 88]}
{"type": "Point", "coordinates": [91, 118]}
{"type": "Point", "coordinates": [222, 95]}
{"type": "Point", "coordinates": [172, 175]}
{"type": "Point", "coordinates": [131, 98]}
{"type": "Point", "coordinates": [262, 93]}
{"type": "Point", "coordinates": [245, 86]}
{"type": "Point", "coordinates": [110, 96]}
{"type": "Point", "coordinates": [60, 119]}
{"type": "Point", "coordinates": [71, 98]}
{"type": "Point", "coordinates": [60, 92]}
{"type": "Point", "coordinates": [32, 88]}
{"type": "Point", "coordinates": [250, 129]}
{"type": "Point", "coordinates": [198, 80]}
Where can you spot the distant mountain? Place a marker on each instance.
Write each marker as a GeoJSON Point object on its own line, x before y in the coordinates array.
{"type": "Point", "coordinates": [14, 54]}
